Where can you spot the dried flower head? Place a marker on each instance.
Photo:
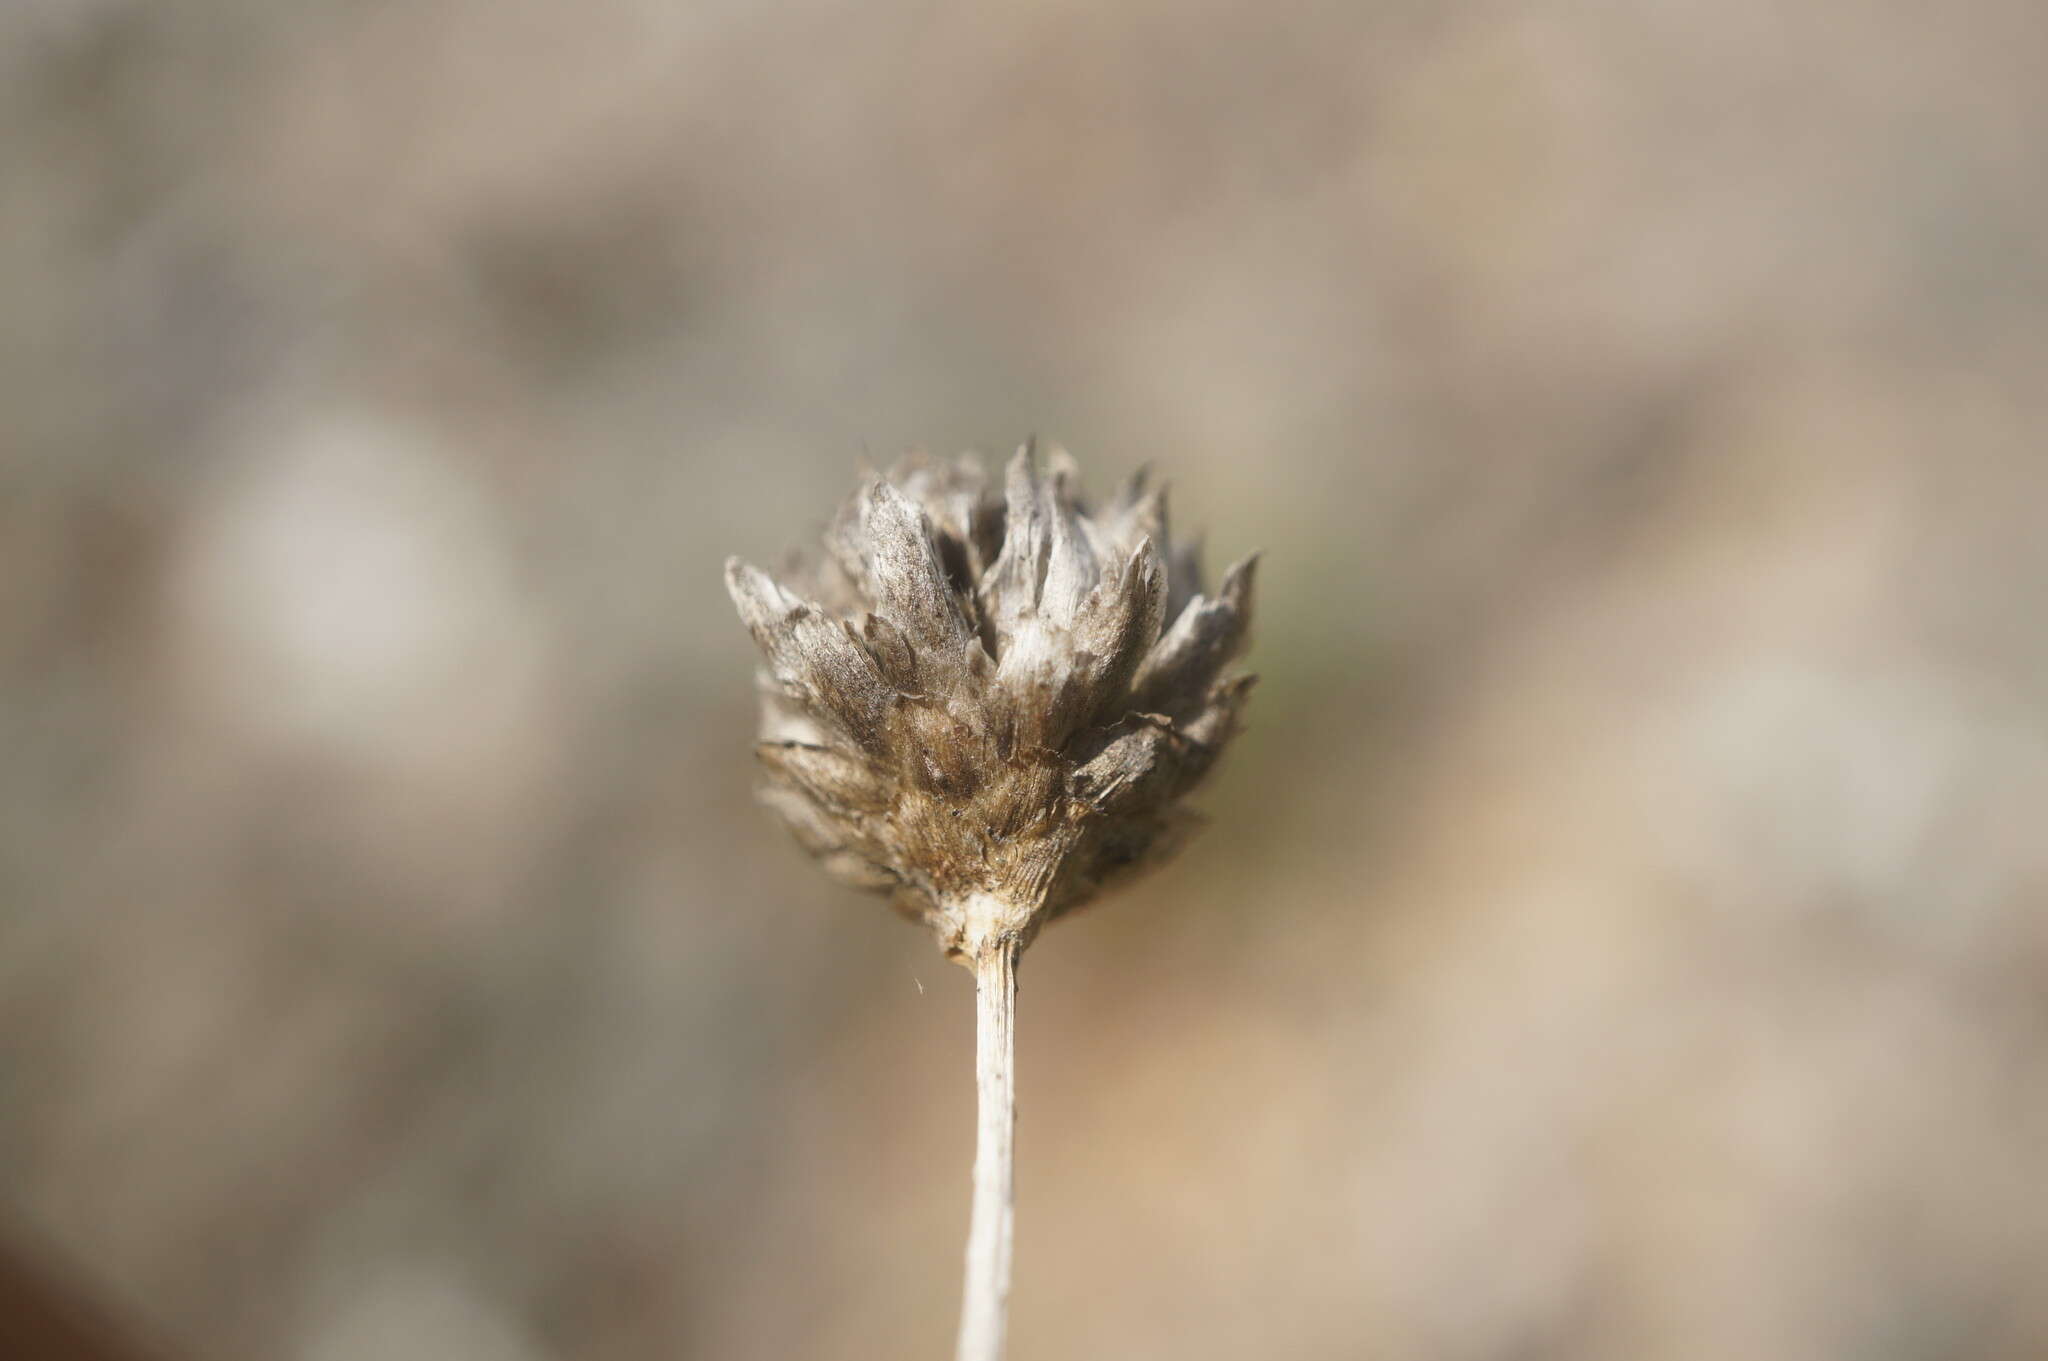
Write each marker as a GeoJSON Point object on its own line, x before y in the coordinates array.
{"type": "Point", "coordinates": [989, 707]}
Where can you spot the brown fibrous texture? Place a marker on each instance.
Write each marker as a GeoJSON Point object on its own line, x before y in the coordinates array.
{"type": "Point", "coordinates": [989, 703]}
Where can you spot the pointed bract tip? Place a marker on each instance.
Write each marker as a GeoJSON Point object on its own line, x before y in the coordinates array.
{"type": "Point", "coordinates": [1062, 464]}
{"type": "Point", "coordinates": [1020, 477]}
{"type": "Point", "coordinates": [736, 571]}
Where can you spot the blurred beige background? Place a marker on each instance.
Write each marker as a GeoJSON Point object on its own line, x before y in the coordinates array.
{"type": "Point", "coordinates": [1620, 934]}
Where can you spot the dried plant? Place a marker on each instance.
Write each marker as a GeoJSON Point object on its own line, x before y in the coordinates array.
{"type": "Point", "coordinates": [989, 708]}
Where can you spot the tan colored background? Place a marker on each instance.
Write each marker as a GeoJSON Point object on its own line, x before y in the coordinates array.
{"type": "Point", "coordinates": [1621, 933]}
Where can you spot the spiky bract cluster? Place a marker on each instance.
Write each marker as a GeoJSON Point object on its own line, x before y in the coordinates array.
{"type": "Point", "coordinates": [989, 706]}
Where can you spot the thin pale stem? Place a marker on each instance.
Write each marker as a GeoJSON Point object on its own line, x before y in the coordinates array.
{"type": "Point", "coordinates": [984, 1304]}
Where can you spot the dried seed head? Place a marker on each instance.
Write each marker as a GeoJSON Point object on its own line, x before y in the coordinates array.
{"type": "Point", "coordinates": [989, 705]}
